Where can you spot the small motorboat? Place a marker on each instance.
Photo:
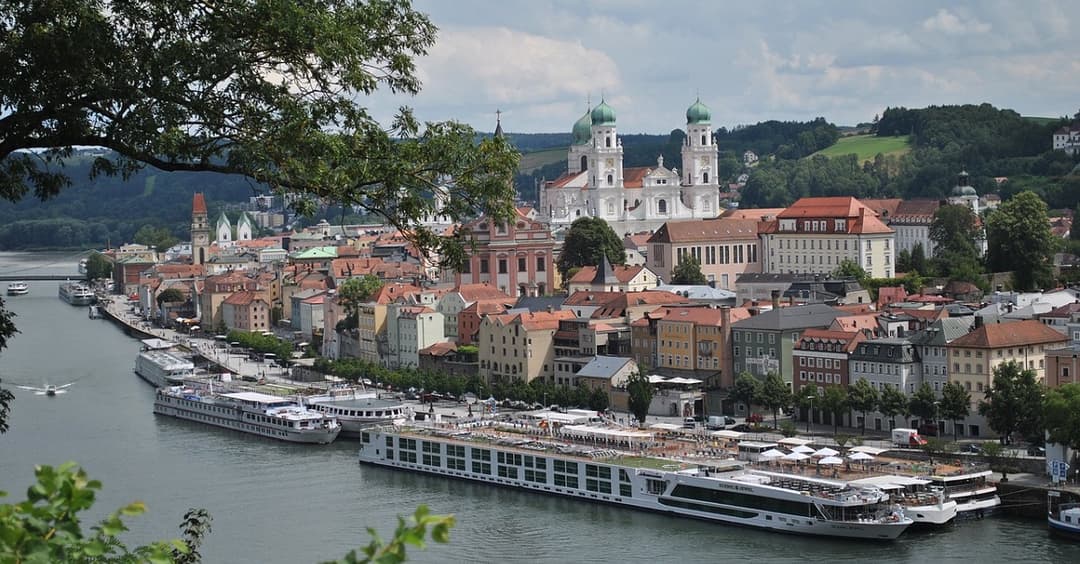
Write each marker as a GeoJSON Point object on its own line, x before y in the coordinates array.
{"type": "Point", "coordinates": [18, 289]}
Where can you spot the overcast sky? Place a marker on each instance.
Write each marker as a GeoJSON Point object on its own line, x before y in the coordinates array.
{"type": "Point", "coordinates": [539, 61]}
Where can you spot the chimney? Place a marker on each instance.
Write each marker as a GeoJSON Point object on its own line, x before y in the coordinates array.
{"type": "Point", "coordinates": [775, 295]}
{"type": "Point", "coordinates": [725, 318]}
{"type": "Point", "coordinates": [549, 309]}
{"type": "Point", "coordinates": [978, 321]}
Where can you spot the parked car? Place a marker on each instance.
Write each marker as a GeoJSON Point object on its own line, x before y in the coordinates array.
{"type": "Point", "coordinates": [973, 448]}
{"type": "Point", "coordinates": [742, 428]}
{"type": "Point", "coordinates": [1036, 450]}
{"type": "Point", "coordinates": [754, 418]}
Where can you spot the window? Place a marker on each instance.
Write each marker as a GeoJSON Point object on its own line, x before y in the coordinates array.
{"type": "Point", "coordinates": [502, 266]}
{"type": "Point", "coordinates": [541, 265]}
{"type": "Point", "coordinates": [483, 266]}
{"type": "Point", "coordinates": [521, 264]}
{"type": "Point", "coordinates": [661, 206]}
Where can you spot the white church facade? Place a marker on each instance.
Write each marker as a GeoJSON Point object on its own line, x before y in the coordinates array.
{"type": "Point", "coordinates": [637, 198]}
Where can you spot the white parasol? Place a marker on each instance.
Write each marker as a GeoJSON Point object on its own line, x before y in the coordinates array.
{"type": "Point", "coordinates": [860, 456]}
{"type": "Point", "coordinates": [802, 449]}
{"type": "Point", "coordinates": [831, 461]}
{"type": "Point", "coordinates": [771, 454]}
{"type": "Point", "coordinates": [796, 456]}
{"type": "Point", "coordinates": [826, 451]}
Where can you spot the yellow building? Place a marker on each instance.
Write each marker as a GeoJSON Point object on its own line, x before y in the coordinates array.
{"type": "Point", "coordinates": [519, 346]}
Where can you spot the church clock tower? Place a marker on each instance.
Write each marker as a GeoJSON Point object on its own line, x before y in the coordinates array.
{"type": "Point", "coordinates": [200, 230]}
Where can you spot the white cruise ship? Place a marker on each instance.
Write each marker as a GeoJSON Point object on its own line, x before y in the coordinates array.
{"type": "Point", "coordinates": [248, 412]}
{"type": "Point", "coordinates": [159, 366]}
{"type": "Point", "coordinates": [77, 293]}
{"type": "Point", "coordinates": [358, 410]}
{"type": "Point", "coordinates": [923, 502]}
{"type": "Point", "coordinates": [973, 494]}
{"type": "Point", "coordinates": [722, 492]}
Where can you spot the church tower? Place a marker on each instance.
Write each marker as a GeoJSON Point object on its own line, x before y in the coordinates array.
{"type": "Point", "coordinates": [699, 161]}
{"type": "Point", "coordinates": [200, 230]}
{"type": "Point", "coordinates": [223, 230]}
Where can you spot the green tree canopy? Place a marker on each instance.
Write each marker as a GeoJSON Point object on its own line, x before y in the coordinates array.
{"type": "Point", "coordinates": [954, 232]}
{"type": "Point", "coordinates": [862, 397]}
{"type": "Point", "coordinates": [835, 402]}
{"type": "Point", "coordinates": [1013, 404]}
{"type": "Point", "coordinates": [921, 403]}
{"type": "Point", "coordinates": [918, 260]}
{"type": "Point", "coordinates": [850, 269]}
{"type": "Point", "coordinates": [745, 390]}
{"type": "Point", "coordinates": [688, 271]}
{"type": "Point", "coordinates": [774, 395]}
{"type": "Point", "coordinates": [157, 238]}
{"type": "Point", "coordinates": [1062, 412]}
{"type": "Point", "coordinates": [892, 402]}
{"type": "Point", "coordinates": [170, 295]}
{"type": "Point", "coordinates": [641, 392]}
{"type": "Point", "coordinates": [1019, 239]}
{"type": "Point", "coordinates": [587, 240]}
{"type": "Point", "coordinates": [955, 403]}
{"type": "Point", "coordinates": [98, 267]}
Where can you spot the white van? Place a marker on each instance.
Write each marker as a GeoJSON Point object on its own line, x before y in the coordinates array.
{"type": "Point", "coordinates": [689, 423]}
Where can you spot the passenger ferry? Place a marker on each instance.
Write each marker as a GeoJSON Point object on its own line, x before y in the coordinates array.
{"type": "Point", "coordinates": [923, 502]}
{"type": "Point", "coordinates": [973, 494]}
{"type": "Point", "coordinates": [77, 293]}
{"type": "Point", "coordinates": [18, 289]}
{"type": "Point", "coordinates": [358, 410]}
{"type": "Point", "coordinates": [1062, 518]}
{"type": "Point", "coordinates": [249, 412]}
{"type": "Point", "coordinates": [160, 367]}
{"type": "Point", "coordinates": [721, 491]}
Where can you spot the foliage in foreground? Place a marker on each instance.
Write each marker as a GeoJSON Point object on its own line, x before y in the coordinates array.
{"type": "Point", "coordinates": [46, 528]}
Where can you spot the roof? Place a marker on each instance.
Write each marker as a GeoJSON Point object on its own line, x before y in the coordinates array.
{"type": "Point", "coordinates": [786, 318]}
{"type": "Point", "coordinates": [486, 307]}
{"type": "Point", "coordinates": [439, 349]}
{"type": "Point", "coordinates": [862, 219]}
{"type": "Point", "coordinates": [848, 338]}
{"type": "Point", "coordinates": [884, 207]}
{"type": "Point", "coordinates": [633, 177]}
{"type": "Point", "coordinates": [637, 240]}
{"type": "Point", "coordinates": [998, 335]}
{"type": "Point", "coordinates": [868, 321]}
{"type": "Point", "coordinates": [603, 367]}
{"type": "Point", "coordinates": [390, 292]}
{"type": "Point", "coordinates": [706, 230]}
{"type": "Point", "coordinates": [198, 203]}
{"type": "Point", "coordinates": [759, 214]}
{"type": "Point", "coordinates": [891, 294]}
{"type": "Point", "coordinates": [622, 274]}
{"type": "Point", "coordinates": [539, 303]}
{"type": "Point", "coordinates": [915, 211]}
{"type": "Point", "coordinates": [483, 291]}
{"type": "Point", "coordinates": [243, 297]}
{"type": "Point", "coordinates": [1065, 311]}
{"type": "Point", "coordinates": [697, 315]}
{"type": "Point", "coordinates": [316, 253]}
{"type": "Point", "coordinates": [943, 331]}
{"type": "Point", "coordinates": [535, 321]}
{"type": "Point", "coordinates": [699, 292]}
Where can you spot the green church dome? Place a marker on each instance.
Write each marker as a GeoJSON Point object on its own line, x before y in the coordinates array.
{"type": "Point", "coordinates": [583, 129]}
{"type": "Point", "coordinates": [603, 114]}
{"type": "Point", "coordinates": [698, 113]}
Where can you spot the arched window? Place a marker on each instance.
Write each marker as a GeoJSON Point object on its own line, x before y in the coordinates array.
{"type": "Point", "coordinates": [705, 177]}
{"type": "Point", "coordinates": [611, 180]}
{"type": "Point", "coordinates": [584, 162]}
{"type": "Point", "coordinates": [607, 141]}
{"type": "Point", "coordinates": [661, 206]}
{"type": "Point", "coordinates": [703, 139]}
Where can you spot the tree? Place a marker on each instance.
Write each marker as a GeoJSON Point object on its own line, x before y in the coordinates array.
{"type": "Point", "coordinates": [1061, 409]}
{"type": "Point", "coordinates": [641, 392]}
{"type": "Point", "coordinates": [598, 400]}
{"type": "Point", "coordinates": [918, 260]}
{"type": "Point", "coordinates": [688, 271]}
{"type": "Point", "coordinates": [170, 296]}
{"type": "Point", "coordinates": [862, 397]}
{"type": "Point", "coordinates": [892, 402]}
{"type": "Point", "coordinates": [774, 395]}
{"type": "Point", "coordinates": [587, 240]}
{"type": "Point", "coordinates": [954, 231]}
{"type": "Point", "coordinates": [850, 269]}
{"type": "Point", "coordinates": [745, 389]}
{"type": "Point", "coordinates": [273, 93]}
{"type": "Point", "coordinates": [903, 261]}
{"type": "Point", "coordinates": [1074, 234]}
{"type": "Point", "coordinates": [157, 238]}
{"type": "Point", "coordinates": [834, 402]}
{"type": "Point", "coordinates": [1013, 402]}
{"type": "Point", "coordinates": [921, 403]}
{"type": "Point", "coordinates": [1019, 239]}
{"type": "Point", "coordinates": [354, 292]}
{"type": "Point", "coordinates": [935, 445]}
{"type": "Point", "coordinates": [955, 404]}
{"type": "Point", "coordinates": [98, 267]}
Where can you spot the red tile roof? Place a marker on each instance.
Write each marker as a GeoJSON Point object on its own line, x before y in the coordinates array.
{"type": "Point", "coordinates": [391, 292]}
{"type": "Point", "coordinates": [706, 230]}
{"type": "Point", "coordinates": [861, 218]}
{"type": "Point", "coordinates": [439, 349]}
{"type": "Point", "coordinates": [760, 214]}
{"type": "Point", "coordinates": [623, 272]}
{"type": "Point", "coordinates": [633, 177]}
{"type": "Point", "coordinates": [1010, 334]}
{"type": "Point", "coordinates": [535, 321]}
{"type": "Point", "coordinates": [847, 338]}
{"type": "Point", "coordinates": [243, 297]}
{"type": "Point", "coordinates": [198, 203]}
{"type": "Point", "coordinates": [697, 315]}
{"type": "Point", "coordinates": [483, 291]}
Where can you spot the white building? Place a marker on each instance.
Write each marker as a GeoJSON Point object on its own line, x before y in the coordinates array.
{"type": "Point", "coordinates": [410, 329]}
{"type": "Point", "coordinates": [633, 199]}
{"type": "Point", "coordinates": [1067, 139]}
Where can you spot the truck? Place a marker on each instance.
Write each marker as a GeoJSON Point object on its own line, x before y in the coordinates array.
{"type": "Point", "coordinates": [907, 438]}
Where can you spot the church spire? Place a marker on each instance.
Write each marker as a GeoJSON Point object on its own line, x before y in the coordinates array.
{"type": "Point", "coordinates": [498, 124]}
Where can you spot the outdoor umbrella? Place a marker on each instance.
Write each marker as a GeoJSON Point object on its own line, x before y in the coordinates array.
{"type": "Point", "coordinates": [802, 449]}
{"type": "Point", "coordinates": [796, 456]}
{"type": "Point", "coordinates": [771, 454]}
{"type": "Point", "coordinates": [860, 456]}
{"type": "Point", "coordinates": [831, 461]}
{"type": "Point", "coordinates": [826, 451]}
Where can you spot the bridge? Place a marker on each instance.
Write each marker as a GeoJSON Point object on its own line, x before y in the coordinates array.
{"type": "Point", "coordinates": [39, 277]}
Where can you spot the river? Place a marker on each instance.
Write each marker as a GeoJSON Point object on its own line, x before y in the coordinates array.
{"type": "Point", "coordinates": [274, 502]}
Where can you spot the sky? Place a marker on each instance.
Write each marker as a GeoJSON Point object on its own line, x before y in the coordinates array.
{"type": "Point", "coordinates": [541, 62]}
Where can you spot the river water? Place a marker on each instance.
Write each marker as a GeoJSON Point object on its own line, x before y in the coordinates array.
{"type": "Point", "coordinates": [275, 502]}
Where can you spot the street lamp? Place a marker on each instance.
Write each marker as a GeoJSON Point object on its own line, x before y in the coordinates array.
{"type": "Point", "coordinates": [809, 413]}
{"type": "Point", "coordinates": [937, 427]}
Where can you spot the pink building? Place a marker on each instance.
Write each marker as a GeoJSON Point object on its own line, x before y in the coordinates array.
{"type": "Point", "coordinates": [515, 257]}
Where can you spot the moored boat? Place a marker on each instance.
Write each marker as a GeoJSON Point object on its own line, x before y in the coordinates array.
{"type": "Point", "coordinates": [77, 293]}
{"type": "Point", "coordinates": [924, 503]}
{"type": "Point", "coordinates": [722, 491]}
{"type": "Point", "coordinates": [1062, 518]}
{"type": "Point", "coordinates": [974, 495]}
{"type": "Point", "coordinates": [159, 366]}
{"type": "Point", "coordinates": [249, 412]}
{"type": "Point", "coordinates": [358, 410]}
{"type": "Point", "coordinates": [18, 289]}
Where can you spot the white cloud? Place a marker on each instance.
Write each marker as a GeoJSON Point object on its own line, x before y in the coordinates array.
{"type": "Point", "coordinates": [947, 22]}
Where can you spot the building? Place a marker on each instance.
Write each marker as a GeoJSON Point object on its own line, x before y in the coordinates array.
{"type": "Point", "coordinates": [763, 343]}
{"type": "Point", "coordinates": [410, 329]}
{"type": "Point", "coordinates": [930, 346]}
{"type": "Point", "coordinates": [725, 248]}
{"type": "Point", "coordinates": [633, 199]}
{"type": "Point", "coordinates": [518, 347]}
{"type": "Point", "coordinates": [1062, 366]}
{"type": "Point", "coordinates": [800, 288]}
{"type": "Point", "coordinates": [452, 303]}
{"type": "Point", "coordinates": [1067, 138]}
{"type": "Point", "coordinates": [888, 361]}
{"type": "Point", "coordinates": [912, 225]}
{"type": "Point", "coordinates": [815, 235]}
{"type": "Point", "coordinates": [246, 311]}
{"type": "Point", "coordinates": [200, 230]}
{"type": "Point", "coordinates": [606, 373]}
{"type": "Point", "coordinates": [446, 358]}
{"type": "Point", "coordinates": [693, 341]}
{"type": "Point", "coordinates": [821, 358]}
{"type": "Point", "coordinates": [516, 257]}
{"type": "Point", "coordinates": [973, 358]}
{"type": "Point", "coordinates": [608, 278]}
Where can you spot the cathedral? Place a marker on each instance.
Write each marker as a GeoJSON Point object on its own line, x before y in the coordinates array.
{"type": "Point", "coordinates": [636, 198]}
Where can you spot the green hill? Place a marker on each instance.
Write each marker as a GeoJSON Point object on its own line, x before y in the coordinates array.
{"type": "Point", "coordinates": [536, 159]}
{"type": "Point", "coordinates": [866, 147]}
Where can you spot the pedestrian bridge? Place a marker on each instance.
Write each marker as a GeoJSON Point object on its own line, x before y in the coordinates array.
{"type": "Point", "coordinates": [33, 277]}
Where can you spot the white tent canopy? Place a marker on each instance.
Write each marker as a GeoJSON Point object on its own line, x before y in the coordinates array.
{"type": "Point", "coordinates": [869, 450]}
{"type": "Point", "coordinates": [831, 461]}
{"type": "Point", "coordinates": [826, 451]}
{"type": "Point", "coordinates": [802, 449]}
{"type": "Point", "coordinates": [726, 434]}
{"type": "Point", "coordinates": [665, 426]}
{"type": "Point", "coordinates": [771, 454]}
{"type": "Point", "coordinates": [794, 441]}
{"type": "Point", "coordinates": [860, 456]}
{"type": "Point", "coordinates": [606, 434]}
{"type": "Point", "coordinates": [796, 456]}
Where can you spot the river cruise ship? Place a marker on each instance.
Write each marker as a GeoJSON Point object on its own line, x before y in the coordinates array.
{"type": "Point", "coordinates": [721, 491]}
{"type": "Point", "coordinates": [974, 495]}
{"type": "Point", "coordinates": [249, 412]}
{"type": "Point", "coordinates": [159, 365]}
{"type": "Point", "coordinates": [923, 502]}
{"type": "Point", "coordinates": [77, 293]}
{"type": "Point", "coordinates": [358, 410]}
